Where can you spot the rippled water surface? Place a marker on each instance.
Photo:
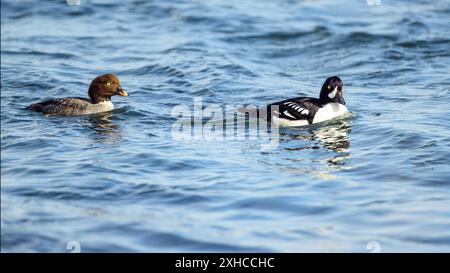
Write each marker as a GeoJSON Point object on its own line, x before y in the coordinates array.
{"type": "Point", "coordinates": [118, 181]}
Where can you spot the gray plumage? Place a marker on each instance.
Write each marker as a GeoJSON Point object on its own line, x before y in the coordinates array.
{"type": "Point", "coordinates": [100, 91]}
{"type": "Point", "coordinates": [71, 107]}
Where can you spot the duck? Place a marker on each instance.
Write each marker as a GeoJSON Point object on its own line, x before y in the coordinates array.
{"type": "Point", "coordinates": [101, 89]}
{"type": "Point", "coordinates": [301, 111]}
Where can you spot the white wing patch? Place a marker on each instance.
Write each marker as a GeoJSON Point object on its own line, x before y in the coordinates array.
{"type": "Point", "coordinates": [287, 114]}
{"type": "Point", "coordinates": [296, 107]}
{"type": "Point", "coordinates": [288, 123]}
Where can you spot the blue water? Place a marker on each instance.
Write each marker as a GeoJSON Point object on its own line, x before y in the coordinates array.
{"type": "Point", "coordinates": [119, 181]}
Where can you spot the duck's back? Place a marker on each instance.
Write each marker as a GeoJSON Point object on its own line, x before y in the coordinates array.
{"type": "Point", "coordinates": [304, 111]}
{"type": "Point", "coordinates": [70, 107]}
{"type": "Point", "coordinates": [297, 109]}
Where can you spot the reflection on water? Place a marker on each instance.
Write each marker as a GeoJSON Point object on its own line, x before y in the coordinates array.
{"type": "Point", "coordinates": [102, 129]}
{"type": "Point", "coordinates": [317, 149]}
{"type": "Point", "coordinates": [334, 137]}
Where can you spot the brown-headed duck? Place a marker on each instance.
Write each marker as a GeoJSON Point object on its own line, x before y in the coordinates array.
{"type": "Point", "coordinates": [101, 90]}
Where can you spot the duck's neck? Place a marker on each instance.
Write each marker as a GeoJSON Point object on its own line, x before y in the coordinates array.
{"type": "Point", "coordinates": [325, 100]}
{"type": "Point", "coordinates": [99, 99]}
{"type": "Point", "coordinates": [97, 94]}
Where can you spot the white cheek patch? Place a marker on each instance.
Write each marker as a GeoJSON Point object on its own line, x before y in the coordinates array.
{"type": "Point", "coordinates": [333, 94]}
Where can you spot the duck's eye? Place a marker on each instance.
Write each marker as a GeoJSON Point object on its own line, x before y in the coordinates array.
{"type": "Point", "coordinates": [108, 84]}
{"type": "Point", "coordinates": [329, 87]}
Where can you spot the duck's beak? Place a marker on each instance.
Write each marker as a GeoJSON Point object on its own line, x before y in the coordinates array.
{"type": "Point", "coordinates": [341, 100]}
{"type": "Point", "coordinates": [121, 92]}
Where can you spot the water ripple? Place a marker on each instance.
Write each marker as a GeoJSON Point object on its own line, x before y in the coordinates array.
{"type": "Point", "coordinates": [380, 173]}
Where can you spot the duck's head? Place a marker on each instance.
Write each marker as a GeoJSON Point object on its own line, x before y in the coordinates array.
{"type": "Point", "coordinates": [103, 87]}
{"type": "Point", "coordinates": [332, 91]}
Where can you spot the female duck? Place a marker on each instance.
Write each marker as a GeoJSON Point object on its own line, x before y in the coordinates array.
{"type": "Point", "coordinates": [100, 92]}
